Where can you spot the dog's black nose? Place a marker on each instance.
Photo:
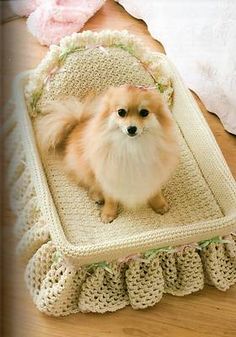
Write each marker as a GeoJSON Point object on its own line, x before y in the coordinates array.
{"type": "Point", "coordinates": [132, 130]}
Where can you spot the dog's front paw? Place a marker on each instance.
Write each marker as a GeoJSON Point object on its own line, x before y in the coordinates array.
{"type": "Point", "coordinates": [109, 211]}
{"type": "Point", "coordinates": [161, 210]}
{"type": "Point", "coordinates": [159, 204]}
{"type": "Point", "coordinates": [108, 217]}
{"type": "Point", "coordinates": [96, 196]}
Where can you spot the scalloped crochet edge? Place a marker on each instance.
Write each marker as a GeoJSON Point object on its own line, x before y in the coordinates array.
{"type": "Point", "coordinates": [87, 40]}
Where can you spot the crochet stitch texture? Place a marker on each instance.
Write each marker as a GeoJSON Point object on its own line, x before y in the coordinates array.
{"type": "Point", "coordinates": [74, 261]}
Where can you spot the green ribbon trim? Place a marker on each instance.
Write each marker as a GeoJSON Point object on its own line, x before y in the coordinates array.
{"type": "Point", "coordinates": [104, 265]}
{"type": "Point", "coordinates": [57, 256]}
{"type": "Point", "coordinates": [66, 52]}
{"type": "Point", "coordinates": [216, 239]}
{"type": "Point", "coordinates": [149, 254]}
{"type": "Point", "coordinates": [35, 98]}
{"type": "Point", "coordinates": [152, 253]}
{"type": "Point", "coordinates": [160, 87]}
{"type": "Point", "coordinates": [126, 48]}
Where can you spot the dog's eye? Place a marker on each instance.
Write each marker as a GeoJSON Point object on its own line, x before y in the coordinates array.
{"type": "Point", "coordinates": [122, 112]}
{"type": "Point", "coordinates": [144, 112]}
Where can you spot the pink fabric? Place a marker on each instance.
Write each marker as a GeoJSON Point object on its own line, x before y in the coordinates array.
{"type": "Point", "coordinates": [51, 20]}
{"type": "Point", "coordinates": [25, 7]}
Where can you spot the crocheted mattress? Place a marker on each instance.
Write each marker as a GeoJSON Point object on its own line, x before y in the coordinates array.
{"type": "Point", "coordinates": [76, 263]}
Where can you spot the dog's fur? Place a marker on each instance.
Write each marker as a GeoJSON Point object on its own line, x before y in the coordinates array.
{"type": "Point", "coordinates": [100, 155]}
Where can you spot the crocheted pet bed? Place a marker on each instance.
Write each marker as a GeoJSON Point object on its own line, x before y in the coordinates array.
{"type": "Point", "coordinates": [74, 261]}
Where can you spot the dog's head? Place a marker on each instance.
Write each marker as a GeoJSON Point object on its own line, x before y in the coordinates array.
{"type": "Point", "coordinates": [135, 110]}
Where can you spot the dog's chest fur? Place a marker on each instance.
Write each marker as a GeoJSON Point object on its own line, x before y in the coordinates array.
{"type": "Point", "coordinates": [130, 169]}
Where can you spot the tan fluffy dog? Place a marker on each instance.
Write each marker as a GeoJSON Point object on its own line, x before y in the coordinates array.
{"type": "Point", "coordinates": [121, 146]}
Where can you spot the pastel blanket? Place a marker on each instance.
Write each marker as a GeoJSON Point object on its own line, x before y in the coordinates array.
{"type": "Point", "coordinates": [51, 20]}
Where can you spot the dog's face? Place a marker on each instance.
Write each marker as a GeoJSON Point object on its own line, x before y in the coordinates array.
{"type": "Point", "coordinates": [134, 110]}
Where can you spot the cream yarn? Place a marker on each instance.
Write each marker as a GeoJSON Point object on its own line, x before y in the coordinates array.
{"type": "Point", "coordinates": [76, 263]}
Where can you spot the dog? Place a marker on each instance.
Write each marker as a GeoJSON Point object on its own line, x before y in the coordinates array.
{"type": "Point", "coordinates": [121, 146]}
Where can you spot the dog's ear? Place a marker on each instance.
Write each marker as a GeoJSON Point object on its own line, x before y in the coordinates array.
{"type": "Point", "coordinates": [109, 91]}
{"type": "Point", "coordinates": [128, 86]}
{"type": "Point", "coordinates": [89, 98]}
{"type": "Point", "coordinates": [102, 103]}
{"type": "Point", "coordinates": [109, 94]}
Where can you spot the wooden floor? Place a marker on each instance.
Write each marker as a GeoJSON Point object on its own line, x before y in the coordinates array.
{"type": "Point", "coordinates": [204, 314]}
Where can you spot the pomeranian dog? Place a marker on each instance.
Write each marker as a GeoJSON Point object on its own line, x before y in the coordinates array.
{"type": "Point", "coordinates": [121, 146]}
